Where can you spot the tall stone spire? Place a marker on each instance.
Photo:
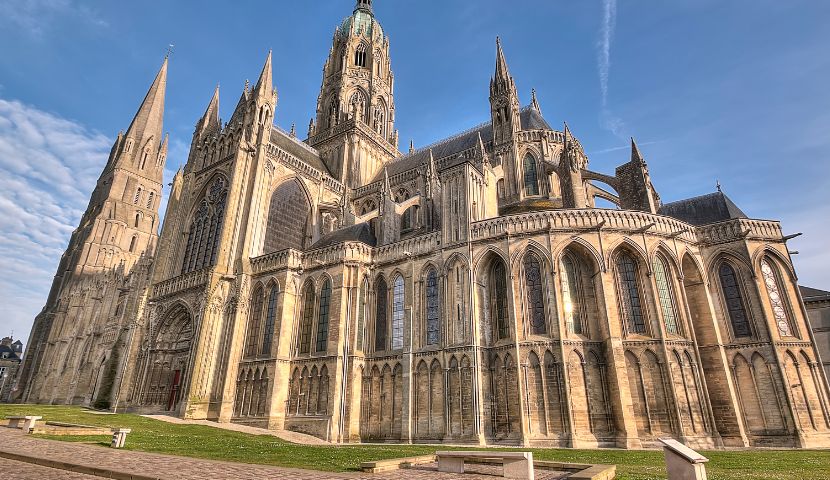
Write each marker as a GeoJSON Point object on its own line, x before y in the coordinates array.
{"type": "Point", "coordinates": [148, 122]}
{"type": "Point", "coordinates": [502, 72]}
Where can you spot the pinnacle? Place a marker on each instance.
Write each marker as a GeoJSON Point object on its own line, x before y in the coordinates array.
{"type": "Point", "coordinates": [636, 156]}
{"type": "Point", "coordinates": [502, 72]}
{"type": "Point", "coordinates": [266, 77]}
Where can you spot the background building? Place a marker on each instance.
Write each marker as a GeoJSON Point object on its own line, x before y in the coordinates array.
{"type": "Point", "coordinates": [818, 310]}
{"type": "Point", "coordinates": [11, 354]}
{"type": "Point", "coordinates": [469, 291]}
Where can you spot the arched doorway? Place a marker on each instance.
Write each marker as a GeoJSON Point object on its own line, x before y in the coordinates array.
{"type": "Point", "coordinates": [168, 360]}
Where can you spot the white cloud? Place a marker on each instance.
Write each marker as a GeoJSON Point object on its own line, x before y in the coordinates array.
{"type": "Point", "coordinates": [36, 16]}
{"type": "Point", "coordinates": [609, 23]}
{"type": "Point", "coordinates": [48, 168]}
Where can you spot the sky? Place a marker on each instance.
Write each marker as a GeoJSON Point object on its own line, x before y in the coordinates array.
{"type": "Point", "coordinates": [714, 91]}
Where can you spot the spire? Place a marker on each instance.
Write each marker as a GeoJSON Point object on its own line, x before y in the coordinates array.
{"type": "Point", "coordinates": [411, 146]}
{"type": "Point", "coordinates": [482, 150]}
{"type": "Point", "coordinates": [636, 156]}
{"type": "Point", "coordinates": [210, 121]}
{"type": "Point", "coordinates": [502, 72]}
{"type": "Point", "coordinates": [149, 118]}
{"type": "Point", "coordinates": [265, 84]}
{"type": "Point", "coordinates": [534, 102]}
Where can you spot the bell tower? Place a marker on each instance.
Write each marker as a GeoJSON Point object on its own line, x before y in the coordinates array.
{"type": "Point", "coordinates": [355, 126]}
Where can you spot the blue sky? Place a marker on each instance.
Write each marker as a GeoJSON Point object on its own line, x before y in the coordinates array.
{"type": "Point", "coordinates": [733, 90]}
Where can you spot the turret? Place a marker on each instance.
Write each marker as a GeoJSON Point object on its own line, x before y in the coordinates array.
{"type": "Point", "coordinates": [504, 101]}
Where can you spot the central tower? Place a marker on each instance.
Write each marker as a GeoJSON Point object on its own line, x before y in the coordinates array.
{"type": "Point", "coordinates": [355, 126]}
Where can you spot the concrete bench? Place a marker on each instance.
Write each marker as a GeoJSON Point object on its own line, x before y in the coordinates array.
{"type": "Point", "coordinates": [517, 465]}
{"type": "Point", "coordinates": [683, 463]}
{"type": "Point", "coordinates": [27, 423]}
{"type": "Point", "coordinates": [119, 437]}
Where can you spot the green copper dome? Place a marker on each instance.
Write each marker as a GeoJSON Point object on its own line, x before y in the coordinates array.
{"type": "Point", "coordinates": [363, 20]}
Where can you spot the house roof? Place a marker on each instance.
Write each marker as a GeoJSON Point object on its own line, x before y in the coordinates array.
{"type": "Point", "coordinates": [703, 210]}
{"type": "Point", "coordinates": [813, 294]}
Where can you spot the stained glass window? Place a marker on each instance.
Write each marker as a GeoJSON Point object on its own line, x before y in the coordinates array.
{"type": "Point", "coordinates": [776, 300]}
{"type": "Point", "coordinates": [433, 310]}
{"type": "Point", "coordinates": [361, 314]}
{"type": "Point", "coordinates": [535, 294]}
{"type": "Point", "coordinates": [531, 177]}
{"type": "Point", "coordinates": [734, 301]}
{"type": "Point", "coordinates": [381, 292]}
{"type": "Point", "coordinates": [307, 319]}
{"type": "Point", "coordinates": [498, 299]}
{"type": "Point", "coordinates": [666, 296]}
{"type": "Point", "coordinates": [254, 322]}
{"type": "Point", "coordinates": [631, 307]}
{"type": "Point", "coordinates": [323, 317]}
{"type": "Point", "coordinates": [571, 297]}
{"type": "Point", "coordinates": [270, 320]}
{"type": "Point", "coordinates": [397, 313]}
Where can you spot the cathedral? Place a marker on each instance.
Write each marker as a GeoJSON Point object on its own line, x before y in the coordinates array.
{"type": "Point", "coordinates": [468, 292]}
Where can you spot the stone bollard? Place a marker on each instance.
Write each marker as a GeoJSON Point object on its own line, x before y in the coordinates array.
{"type": "Point", "coordinates": [683, 463]}
{"type": "Point", "coordinates": [119, 437]}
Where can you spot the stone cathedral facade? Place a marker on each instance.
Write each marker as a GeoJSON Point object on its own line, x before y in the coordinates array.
{"type": "Point", "coordinates": [468, 292]}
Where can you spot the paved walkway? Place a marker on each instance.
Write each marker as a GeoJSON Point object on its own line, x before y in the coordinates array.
{"type": "Point", "coordinates": [27, 471]}
{"type": "Point", "coordinates": [148, 466]}
{"type": "Point", "coordinates": [288, 436]}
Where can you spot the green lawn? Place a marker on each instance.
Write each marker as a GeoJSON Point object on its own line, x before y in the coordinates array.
{"type": "Point", "coordinates": [211, 443]}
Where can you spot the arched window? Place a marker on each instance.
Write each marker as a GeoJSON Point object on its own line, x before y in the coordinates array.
{"type": "Point", "coordinates": [734, 301]}
{"type": "Point", "coordinates": [408, 218]}
{"type": "Point", "coordinates": [362, 307]}
{"type": "Point", "coordinates": [433, 310]}
{"type": "Point", "coordinates": [270, 321]}
{"type": "Point", "coordinates": [323, 317]}
{"type": "Point", "coordinates": [287, 231]}
{"type": "Point", "coordinates": [307, 318]}
{"type": "Point", "coordinates": [500, 188]}
{"type": "Point", "coordinates": [534, 292]}
{"type": "Point", "coordinates": [498, 299]}
{"type": "Point", "coordinates": [357, 105]}
{"type": "Point", "coordinates": [572, 301]}
{"type": "Point", "coordinates": [775, 292]}
{"type": "Point", "coordinates": [137, 219]}
{"type": "Point", "coordinates": [334, 111]}
{"type": "Point", "coordinates": [137, 196]}
{"type": "Point", "coordinates": [398, 295]}
{"type": "Point", "coordinates": [254, 321]}
{"type": "Point", "coordinates": [380, 314]}
{"type": "Point", "coordinates": [150, 199]}
{"type": "Point", "coordinates": [360, 55]}
{"type": "Point", "coordinates": [132, 243]}
{"type": "Point", "coordinates": [631, 310]}
{"type": "Point", "coordinates": [665, 293]}
{"type": "Point", "coordinates": [206, 228]}
{"type": "Point", "coordinates": [531, 178]}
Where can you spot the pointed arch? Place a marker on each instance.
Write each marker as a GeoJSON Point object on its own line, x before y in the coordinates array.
{"type": "Point", "coordinates": [534, 290]}
{"type": "Point", "coordinates": [666, 296]}
{"type": "Point", "coordinates": [432, 304]}
{"type": "Point", "coordinates": [205, 231]}
{"type": "Point", "coordinates": [531, 177]}
{"type": "Point", "coordinates": [778, 296]}
{"type": "Point", "coordinates": [381, 302]}
{"type": "Point", "coordinates": [292, 230]}
{"type": "Point", "coordinates": [398, 310]}
{"type": "Point", "coordinates": [255, 321]}
{"type": "Point", "coordinates": [306, 318]}
{"type": "Point", "coordinates": [270, 318]}
{"type": "Point", "coordinates": [628, 268]}
{"type": "Point", "coordinates": [323, 313]}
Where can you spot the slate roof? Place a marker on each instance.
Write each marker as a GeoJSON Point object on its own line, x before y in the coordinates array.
{"type": "Point", "coordinates": [10, 351]}
{"type": "Point", "coordinates": [704, 210]}
{"type": "Point", "coordinates": [531, 120]}
{"type": "Point", "coordinates": [813, 294]}
{"type": "Point", "coordinates": [297, 148]}
{"type": "Point", "coordinates": [361, 232]}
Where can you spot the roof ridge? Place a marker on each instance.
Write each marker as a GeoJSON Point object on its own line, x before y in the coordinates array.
{"type": "Point", "coordinates": [296, 140]}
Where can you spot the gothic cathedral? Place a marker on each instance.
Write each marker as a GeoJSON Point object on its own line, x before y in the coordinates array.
{"type": "Point", "coordinates": [469, 292]}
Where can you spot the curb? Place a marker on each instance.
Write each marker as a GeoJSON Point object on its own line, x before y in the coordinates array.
{"type": "Point", "coordinates": [69, 467]}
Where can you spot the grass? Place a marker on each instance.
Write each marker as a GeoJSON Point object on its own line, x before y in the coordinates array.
{"type": "Point", "coordinates": [216, 444]}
